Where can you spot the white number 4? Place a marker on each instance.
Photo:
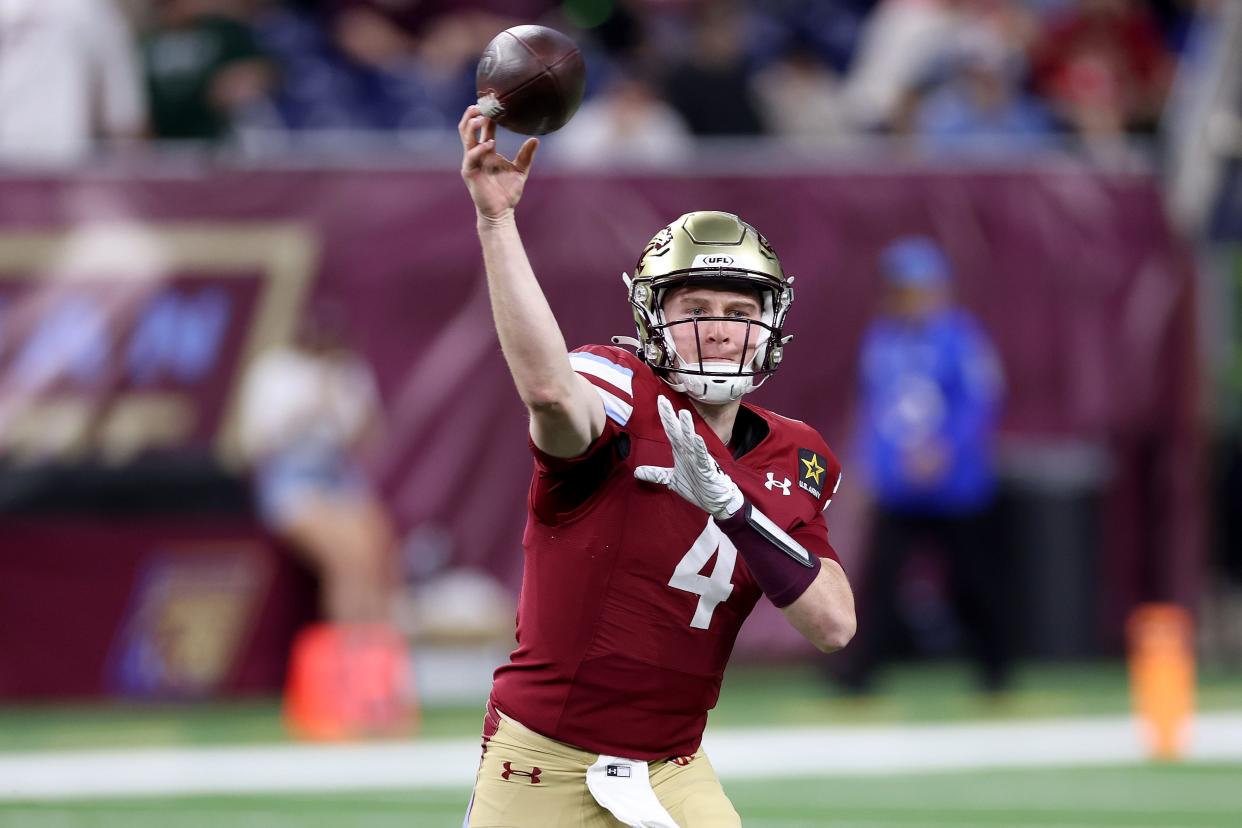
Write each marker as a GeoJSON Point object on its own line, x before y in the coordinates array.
{"type": "Point", "coordinates": [713, 588]}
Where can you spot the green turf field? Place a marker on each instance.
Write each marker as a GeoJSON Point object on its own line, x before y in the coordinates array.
{"type": "Point", "coordinates": [1142, 796]}
{"type": "Point", "coordinates": [751, 696]}
{"type": "Point", "coordinates": [1155, 796]}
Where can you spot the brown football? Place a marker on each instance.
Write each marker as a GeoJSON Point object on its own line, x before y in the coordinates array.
{"type": "Point", "coordinates": [530, 79]}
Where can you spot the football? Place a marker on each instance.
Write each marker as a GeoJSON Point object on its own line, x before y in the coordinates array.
{"type": "Point", "coordinates": [530, 79]}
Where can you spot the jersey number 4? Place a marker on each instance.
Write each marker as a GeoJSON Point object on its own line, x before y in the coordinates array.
{"type": "Point", "coordinates": [713, 588]}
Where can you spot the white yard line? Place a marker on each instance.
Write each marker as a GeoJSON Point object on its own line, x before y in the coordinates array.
{"type": "Point", "coordinates": [946, 747]}
{"type": "Point", "coordinates": [736, 754]}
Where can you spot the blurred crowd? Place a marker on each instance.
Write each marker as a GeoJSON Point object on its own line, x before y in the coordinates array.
{"type": "Point", "coordinates": [942, 74]}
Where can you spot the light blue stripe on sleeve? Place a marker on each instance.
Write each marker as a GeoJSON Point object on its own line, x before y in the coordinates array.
{"type": "Point", "coordinates": [615, 407]}
{"type": "Point", "coordinates": [629, 372]}
{"type": "Point", "coordinates": [610, 372]}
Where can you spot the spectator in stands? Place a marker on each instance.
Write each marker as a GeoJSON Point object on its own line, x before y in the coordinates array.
{"type": "Point", "coordinates": [204, 69]}
{"type": "Point", "coordinates": [930, 396]}
{"type": "Point", "coordinates": [900, 41]}
{"type": "Point", "coordinates": [318, 87]}
{"type": "Point", "coordinates": [307, 411]}
{"type": "Point", "coordinates": [68, 79]}
{"type": "Point", "coordinates": [417, 57]}
{"type": "Point", "coordinates": [979, 104]}
{"type": "Point", "coordinates": [711, 86]}
{"type": "Point", "coordinates": [626, 123]}
{"type": "Point", "coordinates": [1104, 67]}
{"type": "Point", "coordinates": [800, 97]}
{"type": "Point", "coordinates": [905, 42]}
{"type": "Point", "coordinates": [827, 30]}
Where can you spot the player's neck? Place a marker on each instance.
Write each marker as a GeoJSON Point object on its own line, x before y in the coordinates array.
{"type": "Point", "coordinates": [720, 418]}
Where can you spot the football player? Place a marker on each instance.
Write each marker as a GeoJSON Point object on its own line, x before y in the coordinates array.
{"type": "Point", "coordinates": [662, 509]}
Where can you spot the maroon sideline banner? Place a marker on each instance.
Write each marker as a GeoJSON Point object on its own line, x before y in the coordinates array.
{"type": "Point", "coordinates": [150, 609]}
{"type": "Point", "coordinates": [130, 305]}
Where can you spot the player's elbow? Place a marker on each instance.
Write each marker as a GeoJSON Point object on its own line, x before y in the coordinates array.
{"type": "Point", "coordinates": [834, 631]}
{"type": "Point", "coordinates": [547, 400]}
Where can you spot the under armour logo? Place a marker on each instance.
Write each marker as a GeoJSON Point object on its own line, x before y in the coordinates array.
{"type": "Point", "coordinates": [533, 773]}
{"type": "Point", "coordinates": [774, 484]}
{"type": "Point", "coordinates": [622, 771]}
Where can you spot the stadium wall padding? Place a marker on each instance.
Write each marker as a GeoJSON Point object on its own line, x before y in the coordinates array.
{"type": "Point", "coordinates": [1074, 272]}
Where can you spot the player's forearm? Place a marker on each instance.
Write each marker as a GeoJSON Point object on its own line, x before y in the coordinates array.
{"type": "Point", "coordinates": [530, 337]}
{"type": "Point", "coordinates": [812, 592]}
{"type": "Point", "coordinates": [824, 614]}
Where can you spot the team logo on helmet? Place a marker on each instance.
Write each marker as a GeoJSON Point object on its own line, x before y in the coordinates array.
{"type": "Point", "coordinates": [658, 246]}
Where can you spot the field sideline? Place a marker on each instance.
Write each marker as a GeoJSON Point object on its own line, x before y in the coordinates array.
{"type": "Point", "coordinates": [745, 753]}
{"type": "Point", "coordinates": [1061, 750]}
{"type": "Point", "coordinates": [1147, 796]}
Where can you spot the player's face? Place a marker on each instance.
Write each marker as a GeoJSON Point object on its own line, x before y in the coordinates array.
{"type": "Point", "coordinates": [720, 340]}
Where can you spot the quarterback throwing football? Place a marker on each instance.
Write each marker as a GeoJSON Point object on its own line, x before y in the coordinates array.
{"type": "Point", "coordinates": [662, 509]}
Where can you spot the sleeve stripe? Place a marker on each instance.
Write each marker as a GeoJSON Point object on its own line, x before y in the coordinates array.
{"type": "Point", "coordinates": [605, 369]}
{"type": "Point", "coordinates": [616, 408]}
{"type": "Point", "coordinates": [607, 386]}
{"type": "Point", "coordinates": [834, 491]}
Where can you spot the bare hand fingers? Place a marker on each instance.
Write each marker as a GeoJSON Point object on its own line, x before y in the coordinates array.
{"type": "Point", "coordinates": [475, 156]}
{"type": "Point", "coordinates": [526, 155]}
{"type": "Point", "coordinates": [463, 126]}
{"type": "Point", "coordinates": [469, 130]}
{"type": "Point", "coordinates": [470, 133]}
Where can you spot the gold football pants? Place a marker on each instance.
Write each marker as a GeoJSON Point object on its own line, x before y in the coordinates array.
{"type": "Point", "coordinates": [529, 781]}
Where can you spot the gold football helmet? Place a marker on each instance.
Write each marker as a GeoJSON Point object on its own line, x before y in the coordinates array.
{"type": "Point", "coordinates": [711, 247]}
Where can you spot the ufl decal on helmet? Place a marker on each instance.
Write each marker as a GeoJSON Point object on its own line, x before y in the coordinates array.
{"type": "Point", "coordinates": [715, 248]}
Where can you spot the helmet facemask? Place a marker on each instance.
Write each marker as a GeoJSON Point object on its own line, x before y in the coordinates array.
{"type": "Point", "coordinates": [720, 380]}
{"type": "Point", "coordinates": [720, 251]}
{"type": "Point", "coordinates": [710, 381]}
{"type": "Point", "coordinates": [716, 250]}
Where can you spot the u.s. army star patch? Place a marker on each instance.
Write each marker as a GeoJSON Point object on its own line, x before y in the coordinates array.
{"type": "Point", "coordinates": [811, 471]}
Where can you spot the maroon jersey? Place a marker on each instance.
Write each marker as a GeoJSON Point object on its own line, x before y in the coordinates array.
{"type": "Point", "coordinates": [632, 597]}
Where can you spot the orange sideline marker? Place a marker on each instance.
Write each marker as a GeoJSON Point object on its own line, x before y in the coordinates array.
{"type": "Point", "coordinates": [1162, 676]}
{"type": "Point", "coordinates": [348, 682]}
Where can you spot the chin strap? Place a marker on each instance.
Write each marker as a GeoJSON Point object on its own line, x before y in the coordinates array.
{"type": "Point", "coordinates": [683, 382]}
{"type": "Point", "coordinates": [704, 390]}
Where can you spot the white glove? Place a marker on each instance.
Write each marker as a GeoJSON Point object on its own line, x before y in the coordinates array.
{"type": "Point", "coordinates": [694, 475]}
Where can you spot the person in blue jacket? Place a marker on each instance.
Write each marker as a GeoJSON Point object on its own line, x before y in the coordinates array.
{"type": "Point", "coordinates": [930, 397]}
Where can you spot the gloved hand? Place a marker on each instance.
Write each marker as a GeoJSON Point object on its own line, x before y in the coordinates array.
{"type": "Point", "coordinates": [694, 474]}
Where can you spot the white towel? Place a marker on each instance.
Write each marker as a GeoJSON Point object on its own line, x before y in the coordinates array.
{"type": "Point", "coordinates": [623, 787]}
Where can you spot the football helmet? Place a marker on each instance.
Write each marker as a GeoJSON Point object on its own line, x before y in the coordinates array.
{"type": "Point", "coordinates": [716, 248]}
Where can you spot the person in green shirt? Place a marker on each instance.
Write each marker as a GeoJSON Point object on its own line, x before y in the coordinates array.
{"type": "Point", "coordinates": [201, 68]}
